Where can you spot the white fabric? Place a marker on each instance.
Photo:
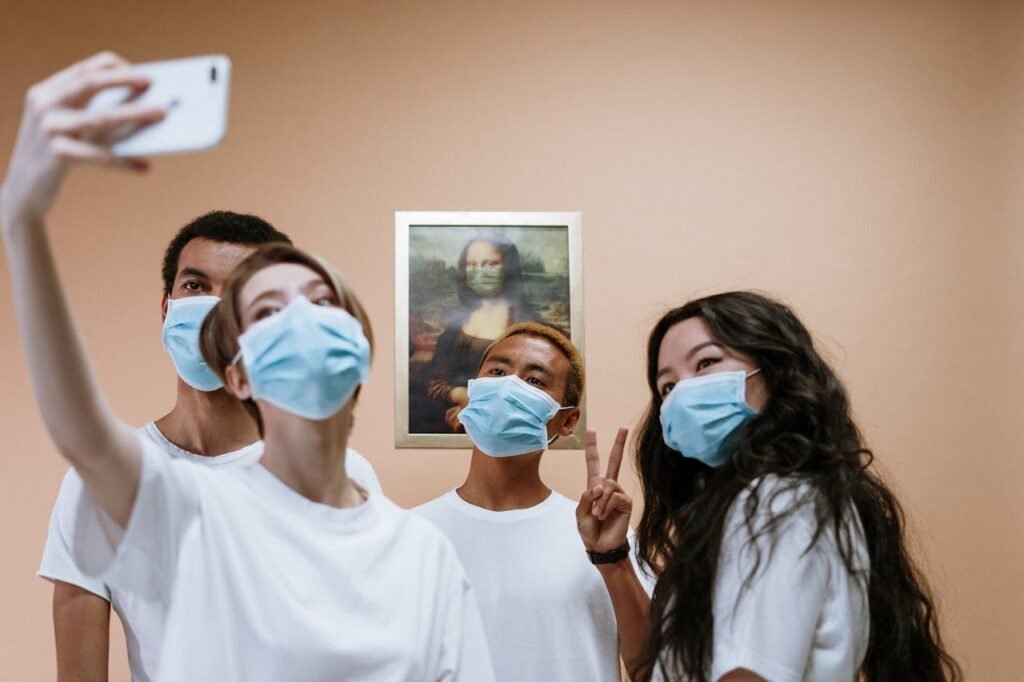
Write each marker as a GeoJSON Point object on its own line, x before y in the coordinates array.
{"type": "Point", "coordinates": [79, 546]}
{"type": "Point", "coordinates": [545, 607]}
{"type": "Point", "coordinates": [260, 583]}
{"type": "Point", "coordinates": [804, 617]}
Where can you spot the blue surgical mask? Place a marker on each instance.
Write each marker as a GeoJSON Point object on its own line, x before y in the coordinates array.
{"type": "Point", "coordinates": [181, 339]}
{"type": "Point", "coordinates": [700, 416]}
{"type": "Point", "coordinates": [306, 359]}
{"type": "Point", "coordinates": [507, 416]}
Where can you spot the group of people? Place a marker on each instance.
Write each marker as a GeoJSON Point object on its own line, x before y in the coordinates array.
{"type": "Point", "coordinates": [239, 538]}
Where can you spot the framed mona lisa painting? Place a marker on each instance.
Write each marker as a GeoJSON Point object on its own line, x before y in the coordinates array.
{"type": "Point", "coordinates": [461, 279]}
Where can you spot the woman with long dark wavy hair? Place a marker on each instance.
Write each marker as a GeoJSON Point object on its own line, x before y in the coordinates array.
{"type": "Point", "coordinates": [781, 552]}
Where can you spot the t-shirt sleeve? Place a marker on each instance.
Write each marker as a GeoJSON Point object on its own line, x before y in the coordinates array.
{"type": "Point", "coordinates": [166, 510]}
{"type": "Point", "coordinates": [77, 539]}
{"type": "Point", "coordinates": [767, 626]}
{"type": "Point", "coordinates": [465, 656]}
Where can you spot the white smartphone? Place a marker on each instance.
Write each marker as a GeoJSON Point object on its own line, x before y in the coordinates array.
{"type": "Point", "coordinates": [195, 92]}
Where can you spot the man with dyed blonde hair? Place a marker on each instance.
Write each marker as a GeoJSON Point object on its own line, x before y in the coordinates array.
{"type": "Point", "coordinates": [547, 608]}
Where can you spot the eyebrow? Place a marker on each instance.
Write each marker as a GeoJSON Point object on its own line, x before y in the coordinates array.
{"type": "Point", "coordinates": [192, 272]}
{"type": "Point", "coordinates": [271, 293]}
{"type": "Point", "coordinates": [530, 367]}
{"type": "Point", "coordinates": [314, 283]}
{"type": "Point", "coordinates": [693, 351]}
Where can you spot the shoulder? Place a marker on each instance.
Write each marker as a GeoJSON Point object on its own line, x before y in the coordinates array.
{"type": "Point", "coordinates": [774, 495]}
{"type": "Point", "coordinates": [772, 507]}
{"type": "Point", "coordinates": [433, 507]}
{"type": "Point", "coordinates": [361, 471]}
{"type": "Point", "coordinates": [414, 527]}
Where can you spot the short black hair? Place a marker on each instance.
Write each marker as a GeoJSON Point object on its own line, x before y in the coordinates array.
{"type": "Point", "coordinates": [219, 226]}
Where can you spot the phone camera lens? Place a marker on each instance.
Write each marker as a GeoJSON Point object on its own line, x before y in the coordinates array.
{"type": "Point", "coordinates": [213, 74]}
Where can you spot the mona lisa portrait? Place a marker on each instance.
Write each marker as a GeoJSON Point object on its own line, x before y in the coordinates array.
{"type": "Point", "coordinates": [462, 279]}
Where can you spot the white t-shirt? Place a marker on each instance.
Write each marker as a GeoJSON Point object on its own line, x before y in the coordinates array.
{"type": "Point", "coordinates": [804, 617]}
{"type": "Point", "coordinates": [79, 537]}
{"type": "Point", "coordinates": [260, 583]}
{"type": "Point", "coordinates": [545, 607]}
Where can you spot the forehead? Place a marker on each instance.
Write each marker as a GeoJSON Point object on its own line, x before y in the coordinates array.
{"type": "Point", "coordinates": [524, 349]}
{"type": "Point", "coordinates": [480, 250]}
{"type": "Point", "coordinates": [681, 338]}
{"type": "Point", "coordinates": [212, 257]}
{"type": "Point", "coordinates": [289, 278]}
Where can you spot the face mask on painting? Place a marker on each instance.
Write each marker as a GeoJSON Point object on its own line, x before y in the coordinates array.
{"type": "Point", "coordinates": [485, 282]}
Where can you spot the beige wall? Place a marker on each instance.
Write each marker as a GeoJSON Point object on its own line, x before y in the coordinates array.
{"type": "Point", "coordinates": [860, 160]}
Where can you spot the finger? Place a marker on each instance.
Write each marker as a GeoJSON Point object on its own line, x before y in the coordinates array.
{"type": "Point", "coordinates": [69, 149]}
{"type": "Point", "coordinates": [98, 61]}
{"type": "Point", "coordinates": [615, 457]}
{"type": "Point", "coordinates": [586, 503]}
{"type": "Point", "coordinates": [608, 488]}
{"type": "Point", "coordinates": [80, 90]}
{"type": "Point", "coordinates": [80, 123]}
{"type": "Point", "coordinates": [619, 502]}
{"type": "Point", "coordinates": [593, 458]}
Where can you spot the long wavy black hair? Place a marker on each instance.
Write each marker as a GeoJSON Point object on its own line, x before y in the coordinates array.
{"type": "Point", "coordinates": [806, 436]}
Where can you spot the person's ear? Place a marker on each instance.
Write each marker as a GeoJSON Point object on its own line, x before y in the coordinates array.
{"type": "Point", "coordinates": [572, 417]}
{"type": "Point", "coordinates": [237, 383]}
{"type": "Point", "coordinates": [163, 307]}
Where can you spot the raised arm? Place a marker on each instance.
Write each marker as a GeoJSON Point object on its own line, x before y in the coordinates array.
{"type": "Point", "coordinates": [56, 133]}
{"type": "Point", "coordinates": [603, 521]}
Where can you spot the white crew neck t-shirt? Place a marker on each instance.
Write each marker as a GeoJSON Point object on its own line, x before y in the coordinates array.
{"type": "Point", "coordinates": [260, 583]}
{"type": "Point", "coordinates": [79, 537]}
{"type": "Point", "coordinates": [804, 617]}
{"type": "Point", "coordinates": [545, 607]}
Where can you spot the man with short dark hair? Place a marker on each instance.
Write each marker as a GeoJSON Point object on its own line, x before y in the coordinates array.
{"type": "Point", "coordinates": [207, 425]}
{"type": "Point", "coordinates": [548, 611]}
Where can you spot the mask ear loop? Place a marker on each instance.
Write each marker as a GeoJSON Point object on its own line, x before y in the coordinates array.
{"type": "Point", "coordinates": [563, 407]}
{"type": "Point", "coordinates": [752, 373]}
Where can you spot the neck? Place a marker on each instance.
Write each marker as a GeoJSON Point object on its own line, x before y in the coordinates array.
{"type": "Point", "coordinates": [208, 423]}
{"type": "Point", "coordinates": [309, 457]}
{"type": "Point", "coordinates": [504, 483]}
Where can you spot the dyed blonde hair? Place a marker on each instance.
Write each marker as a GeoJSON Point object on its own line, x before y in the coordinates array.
{"type": "Point", "coordinates": [218, 338]}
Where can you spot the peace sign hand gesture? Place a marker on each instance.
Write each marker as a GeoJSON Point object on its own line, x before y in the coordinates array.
{"type": "Point", "coordinates": [602, 515]}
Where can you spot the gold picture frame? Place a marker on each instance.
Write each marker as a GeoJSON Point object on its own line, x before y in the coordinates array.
{"type": "Point", "coordinates": [542, 256]}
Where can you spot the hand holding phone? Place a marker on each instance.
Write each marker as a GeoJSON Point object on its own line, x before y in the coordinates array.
{"type": "Point", "coordinates": [193, 91]}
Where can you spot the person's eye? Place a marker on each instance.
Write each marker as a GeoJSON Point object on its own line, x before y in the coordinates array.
{"type": "Point", "coordinates": [192, 286]}
{"type": "Point", "coordinates": [704, 363]}
{"type": "Point", "coordinates": [666, 389]}
{"type": "Point", "coordinates": [496, 372]}
{"type": "Point", "coordinates": [324, 301]}
{"type": "Point", "coordinates": [263, 313]}
{"type": "Point", "coordinates": [535, 381]}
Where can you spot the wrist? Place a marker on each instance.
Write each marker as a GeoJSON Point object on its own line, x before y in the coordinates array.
{"type": "Point", "coordinates": [611, 557]}
{"type": "Point", "coordinates": [615, 571]}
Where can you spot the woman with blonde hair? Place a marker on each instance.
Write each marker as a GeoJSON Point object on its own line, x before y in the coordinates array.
{"type": "Point", "coordinates": [283, 570]}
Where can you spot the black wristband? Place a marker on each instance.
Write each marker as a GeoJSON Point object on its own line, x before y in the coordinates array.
{"type": "Point", "coordinates": [612, 557]}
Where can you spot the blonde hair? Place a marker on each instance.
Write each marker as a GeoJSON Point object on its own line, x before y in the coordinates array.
{"type": "Point", "coordinates": [558, 339]}
{"type": "Point", "coordinates": [218, 338]}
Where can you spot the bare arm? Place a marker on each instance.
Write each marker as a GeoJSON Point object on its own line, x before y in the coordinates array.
{"type": "Point", "coordinates": [81, 626]}
{"type": "Point", "coordinates": [603, 521]}
{"type": "Point", "coordinates": [53, 135]}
